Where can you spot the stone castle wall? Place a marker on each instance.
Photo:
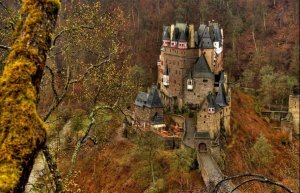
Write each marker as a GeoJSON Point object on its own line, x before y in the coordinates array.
{"type": "Point", "coordinates": [209, 122]}
{"type": "Point", "coordinates": [199, 92]}
{"type": "Point", "coordinates": [146, 114]}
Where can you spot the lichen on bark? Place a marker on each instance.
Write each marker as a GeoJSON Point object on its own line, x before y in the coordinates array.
{"type": "Point", "coordinates": [22, 132]}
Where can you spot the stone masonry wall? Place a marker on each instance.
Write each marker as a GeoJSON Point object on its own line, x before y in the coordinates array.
{"type": "Point", "coordinates": [199, 92]}
{"type": "Point", "coordinates": [146, 114]}
{"type": "Point", "coordinates": [178, 62]}
{"type": "Point", "coordinates": [208, 122]}
{"type": "Point", "coordinates": [294, 110]}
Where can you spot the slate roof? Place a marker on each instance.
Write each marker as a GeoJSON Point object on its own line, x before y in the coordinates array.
{"type": "Point", "coordinates": [221, 96]}
{"type": "Point", "coordinates": [201, 29]}
{"type": "Point", "coordinates": [183, 36]}
{"type": "Point", "coordinates": [222, 78]}
{"type": "Point", "coordinates": [201, 69]}
{"type": "Point", "coordinates": [150, 100]}
{"type": "Point", "coordinates": [196, 38]}
{"type": "Point", "coordinates": [215, 32]}
{"type": "Point", "coordinates": [166, 33]}
{"type": "Point", "coordinates": [205, 41]}
{"type": "Point", "coordinates": [202, 135]}
{"type": "Point", "coordinates": [176, 34]}
{"type": "Point", "coordinates": [211, 99]}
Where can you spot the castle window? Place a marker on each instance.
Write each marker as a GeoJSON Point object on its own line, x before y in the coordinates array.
{"type": "Point", "coordinates": [211, 110]}
{"type": "Point", "coordinates": [205, 80]}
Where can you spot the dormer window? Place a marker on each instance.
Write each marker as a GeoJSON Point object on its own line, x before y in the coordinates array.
{"type": "Point", "coordinates": [211, 110]}
{"type": "Point", "coordinates": [190, 85]}
{"type": "Point", "coordinates": [166, 43]}
{"type": "Point", "coordinates": [173, 44]}
{"type": "Point", "coordinates": [182, 45]}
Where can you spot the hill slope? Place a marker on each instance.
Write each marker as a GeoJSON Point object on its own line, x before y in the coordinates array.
{"type": "Point", "coordinates": [247, 127]}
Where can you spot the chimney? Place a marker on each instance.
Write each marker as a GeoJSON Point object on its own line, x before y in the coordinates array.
{"type": "Point", "coordinates": [192, 36]}
{"type": "Point", "coordinates": [172, 31]}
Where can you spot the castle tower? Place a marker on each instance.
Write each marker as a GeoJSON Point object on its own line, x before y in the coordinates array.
{"type": "Point", "coordinates": [189, 63]}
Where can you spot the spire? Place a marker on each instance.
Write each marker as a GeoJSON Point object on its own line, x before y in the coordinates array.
{"type": "Point", "coordinates": [150, 100]}
{"type": "Point", "coordinates": [153, 99]}
{"type": "Point", "coordinates": [206, 41]}
{"type": "Point", "coordinates": [196, 38]}
{"type": "Point", "coordinates": [222, 78]}
{"type": "Point", "coordinates": [166, 33]}
{"type": "Point", "coordinates": [183, 36]}
{"type": "Point", "coordinates": [175, 35]}
{"type": "Point", "coordinates": [201, 69]}
{"type": "Point", "coordinates": [221, 96]}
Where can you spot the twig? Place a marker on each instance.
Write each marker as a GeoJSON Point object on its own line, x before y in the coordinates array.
{"type": "Point", "coordinates": [13, 22]}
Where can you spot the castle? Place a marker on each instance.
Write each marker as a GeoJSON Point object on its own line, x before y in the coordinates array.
{"type": "Point", "coordinates": [191, 77]}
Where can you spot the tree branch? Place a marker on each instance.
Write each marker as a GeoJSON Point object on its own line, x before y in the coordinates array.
{"type": "Point", "coordinates": [58, 99]}
{"type": "Point", "coordinates": [5, 47]}
{"type": "Point", "coordinates": [267, 181]}
{"type": "Point", "coordinates": [92, 138]}
{"type": "Point", "coordinates": [106, 60]}
{"type": "Point", "coordinates": [53, 84]}
{"type": "Point", "coordinates": [86, 133]}
{"type": "Point", "coordinates": [68, 30]}
{"type": "Point", "coordinates": [257, 177]}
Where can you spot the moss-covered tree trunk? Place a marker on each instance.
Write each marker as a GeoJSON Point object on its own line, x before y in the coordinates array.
{"type": "Point", "coordinates": [22, 132]}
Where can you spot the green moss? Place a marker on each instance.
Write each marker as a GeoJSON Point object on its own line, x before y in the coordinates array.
{"type": "Point", "coordinates": [22, 132]}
